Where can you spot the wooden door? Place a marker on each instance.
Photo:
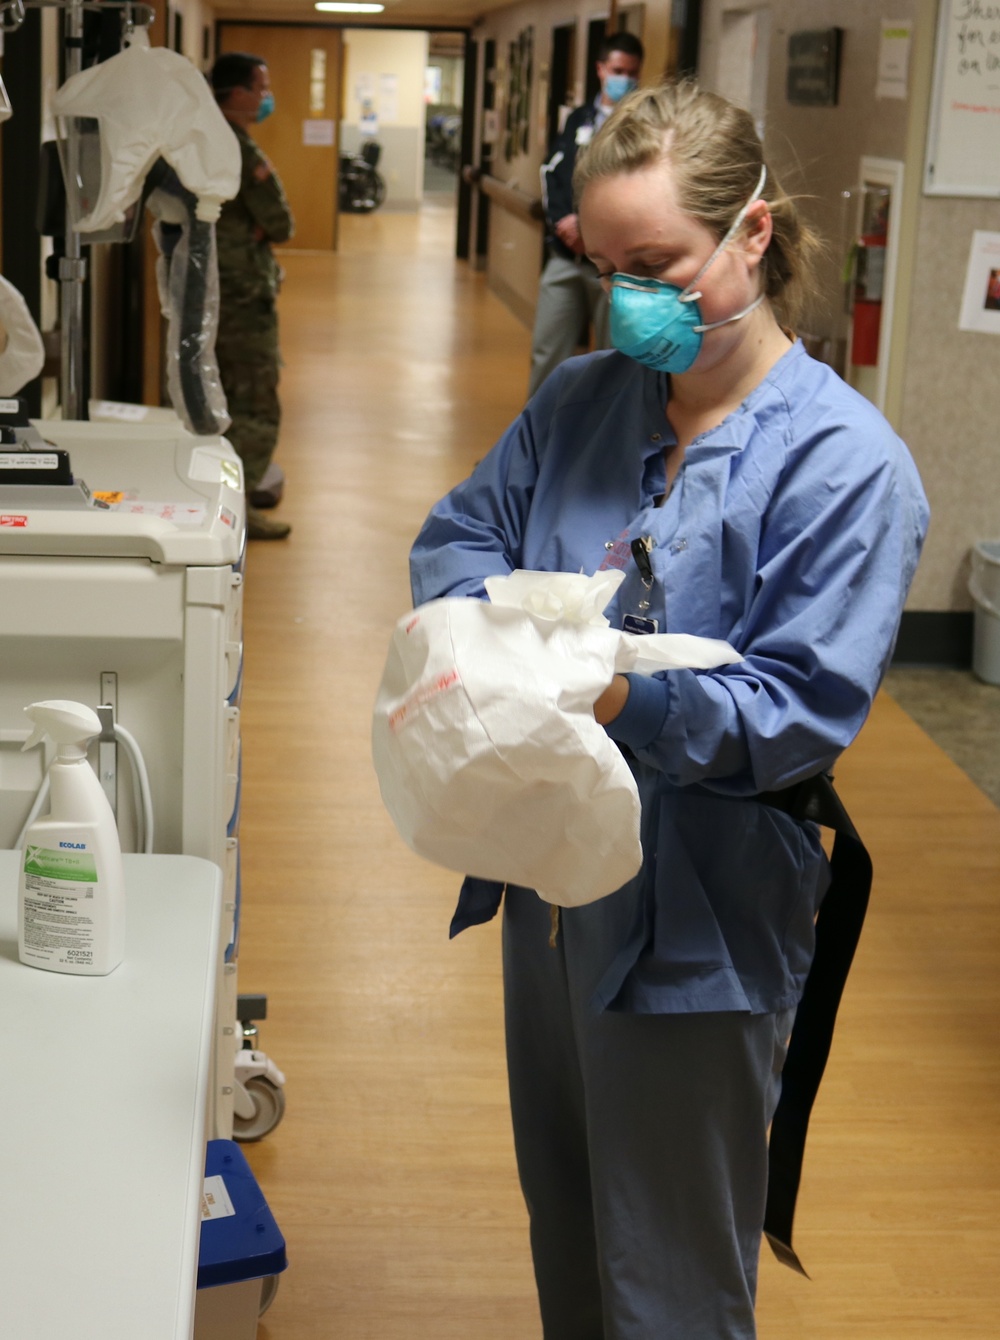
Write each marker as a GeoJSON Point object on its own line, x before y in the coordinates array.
{"type": "Point", "coordinates": [302, 137]}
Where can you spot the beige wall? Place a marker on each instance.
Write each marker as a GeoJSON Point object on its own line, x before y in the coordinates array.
{"type": "Point", "coordinates": [197, 17]}
{"type": "Point", "coordinates": [816, 150]}
{"type": "Point", "coordinates": [950, 392]}
{"type": "Point", "coordinates": [943, 394]}
{"type": "Point", "coordinates": [515, 245]}
{"type": "Point", "coordinates": [371, 55]}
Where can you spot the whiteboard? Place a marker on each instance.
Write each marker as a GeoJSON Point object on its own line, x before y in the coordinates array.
{"type": "Point", "coordinates": [963, 142]}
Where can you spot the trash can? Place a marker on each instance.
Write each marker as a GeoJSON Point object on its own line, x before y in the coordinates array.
{"type": "Point", "coordinates": [984, 587]}
{"type": "Point", "coordinates": [242, 1251]}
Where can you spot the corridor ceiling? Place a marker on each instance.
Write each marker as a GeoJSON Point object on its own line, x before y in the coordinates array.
{"type": "Point", "coordinates": [397, 13]}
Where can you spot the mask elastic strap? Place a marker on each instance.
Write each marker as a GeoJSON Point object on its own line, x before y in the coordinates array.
{"type": "Point", "coordinates": [686, 295]}
{"type": "Point", "coordinates": [729, 319]}
{"type": "Point", "coordinates": [621, 280]}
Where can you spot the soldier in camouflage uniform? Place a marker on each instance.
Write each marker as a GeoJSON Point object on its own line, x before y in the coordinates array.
{"type": "Point", "coordinates": [247, 343]}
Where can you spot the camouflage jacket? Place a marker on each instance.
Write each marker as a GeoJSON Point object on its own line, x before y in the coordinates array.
{"type": "Point", "coordinates": [248, 225]}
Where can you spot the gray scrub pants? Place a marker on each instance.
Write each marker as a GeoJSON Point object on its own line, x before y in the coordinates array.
{"type": "Point", "coordinates": [641, 1140]}
{"type": "Point", "coordinates": [569, 296]}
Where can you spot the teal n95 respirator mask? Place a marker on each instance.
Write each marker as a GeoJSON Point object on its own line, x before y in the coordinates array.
{"type": "Point", "coordinates": [617, 85]}
{"type": "Point", "coordinates": [659, 324]}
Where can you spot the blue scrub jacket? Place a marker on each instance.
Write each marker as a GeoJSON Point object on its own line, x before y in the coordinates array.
{"type": "Point", "coordinates": [792, 531]}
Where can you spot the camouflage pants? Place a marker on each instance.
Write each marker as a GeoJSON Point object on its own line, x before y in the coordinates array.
{"type": "Point", "coordinates": [246, 347]}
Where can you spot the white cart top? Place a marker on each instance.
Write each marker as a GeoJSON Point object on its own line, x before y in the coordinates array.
{"type": "Point", "coordinates": [102, 1124]}
{"type": "Point", "coordinates": [174, 498]}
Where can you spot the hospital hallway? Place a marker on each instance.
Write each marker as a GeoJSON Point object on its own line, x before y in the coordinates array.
{"type": "Point", "coordinates": [392, 1174]}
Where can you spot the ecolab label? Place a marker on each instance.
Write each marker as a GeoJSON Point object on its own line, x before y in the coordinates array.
{"type": "Point", "coordinates": [13, 519]}
{"type": "Point", "coordinates": [47, 863]}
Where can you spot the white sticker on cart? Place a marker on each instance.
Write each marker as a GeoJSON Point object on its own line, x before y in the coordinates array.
{"type": "Point", "coordinates": [10, 406]}
{"type": "Point", "coordinates": [215, 1202]}
{"type": "Point", "coordinates": [23, 460]}
{"type": "Point", "coordinates": [181, 514]}
{"type": "Point", "coordinates": [115, 409]}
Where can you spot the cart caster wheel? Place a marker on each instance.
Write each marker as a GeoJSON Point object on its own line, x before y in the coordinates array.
{"type": "Point", "coordinates": [269, 1108]}
{"type": "Point", "coordinates": [268, 1289]}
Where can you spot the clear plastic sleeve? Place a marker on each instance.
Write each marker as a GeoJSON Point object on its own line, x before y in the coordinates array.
{"type": "Point", "coordinates": [187, 275]}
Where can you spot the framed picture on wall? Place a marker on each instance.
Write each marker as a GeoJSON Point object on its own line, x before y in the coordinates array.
{"type": "Point", "coordinates": [813, 74]}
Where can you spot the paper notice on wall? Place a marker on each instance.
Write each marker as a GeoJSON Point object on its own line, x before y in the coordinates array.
{"type": "Point", "coordinates": [316, 131]}
{"type": "Point", "coordinates": [981, 299]}
{"type": "Point", "coordinates": [893, 59]}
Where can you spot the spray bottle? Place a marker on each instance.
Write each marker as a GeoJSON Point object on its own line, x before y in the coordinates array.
{"type": "Point", "coordinates": [71, 895]}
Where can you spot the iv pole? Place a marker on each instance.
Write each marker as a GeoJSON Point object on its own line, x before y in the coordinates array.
{"type": "Point", "coordinates": [73, 265]}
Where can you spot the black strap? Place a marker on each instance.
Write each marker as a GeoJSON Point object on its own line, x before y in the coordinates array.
{"type": "Point", "coordinates": [838, 929]}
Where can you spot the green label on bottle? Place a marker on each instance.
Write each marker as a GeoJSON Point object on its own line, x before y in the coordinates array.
{"type": "Point", "coordinates": [66, 863]}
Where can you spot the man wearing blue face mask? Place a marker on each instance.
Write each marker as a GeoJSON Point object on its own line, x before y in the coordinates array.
{"type": "Point", "coordinates": [569, 293]}
{"type": "Point", "coordinates": [246, 345]}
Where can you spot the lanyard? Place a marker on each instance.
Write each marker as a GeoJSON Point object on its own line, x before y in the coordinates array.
{"type": "Point", "coordinates": [640, 622]}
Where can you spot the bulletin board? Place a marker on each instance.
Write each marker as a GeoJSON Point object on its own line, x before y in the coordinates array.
{"type": "Point", "coordinates": [963, 142]}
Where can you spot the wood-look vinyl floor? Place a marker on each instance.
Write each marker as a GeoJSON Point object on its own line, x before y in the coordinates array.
{"type": "Point", "coordinates": [392, 1174]}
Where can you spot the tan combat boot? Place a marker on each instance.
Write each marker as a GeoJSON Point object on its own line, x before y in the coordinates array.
{"type": "Point", "coordinates": [260, 526]}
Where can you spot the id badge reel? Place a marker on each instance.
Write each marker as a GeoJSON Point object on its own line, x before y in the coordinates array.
{"type": "Point", "coordinates": [640, 622]}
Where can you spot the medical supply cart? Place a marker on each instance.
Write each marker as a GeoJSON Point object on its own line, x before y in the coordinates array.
{"type": "Point", "coordinates": [103, 1176]}
{"type": "Point", "coordinates": [121, 584]}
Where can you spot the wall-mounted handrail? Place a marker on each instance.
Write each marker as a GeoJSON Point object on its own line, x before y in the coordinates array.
{"type": "Point", "coordinates": [511, 198]}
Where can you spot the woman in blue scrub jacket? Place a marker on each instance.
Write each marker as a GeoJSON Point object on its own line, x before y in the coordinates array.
{"type": "Point", "coordinates": [750, 495]}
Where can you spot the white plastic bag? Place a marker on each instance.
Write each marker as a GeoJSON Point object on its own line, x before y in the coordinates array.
{"type": "Point", "coordinates": [22, 353]}
{"type": "Point", "coordinates": [152, 103]}
{"type": "Point", "coordinates": [488, 756]}
{"type": "Point", "coordinates": [573, 598]}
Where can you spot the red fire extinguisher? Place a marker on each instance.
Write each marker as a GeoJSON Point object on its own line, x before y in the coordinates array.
{"type": "Point", "coordinates": [869, 282]}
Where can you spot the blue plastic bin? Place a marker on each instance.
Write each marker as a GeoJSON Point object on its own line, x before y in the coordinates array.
{"type": "Point", "coordinates": [242, 1250]}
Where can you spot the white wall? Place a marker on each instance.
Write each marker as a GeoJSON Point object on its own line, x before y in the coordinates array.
{"type": "Point", "coordinates": [388, 67]}
{"type": "Point", "coordinates": [452, 73]}
{"type": "Point", "coordinates": [196, 16]}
